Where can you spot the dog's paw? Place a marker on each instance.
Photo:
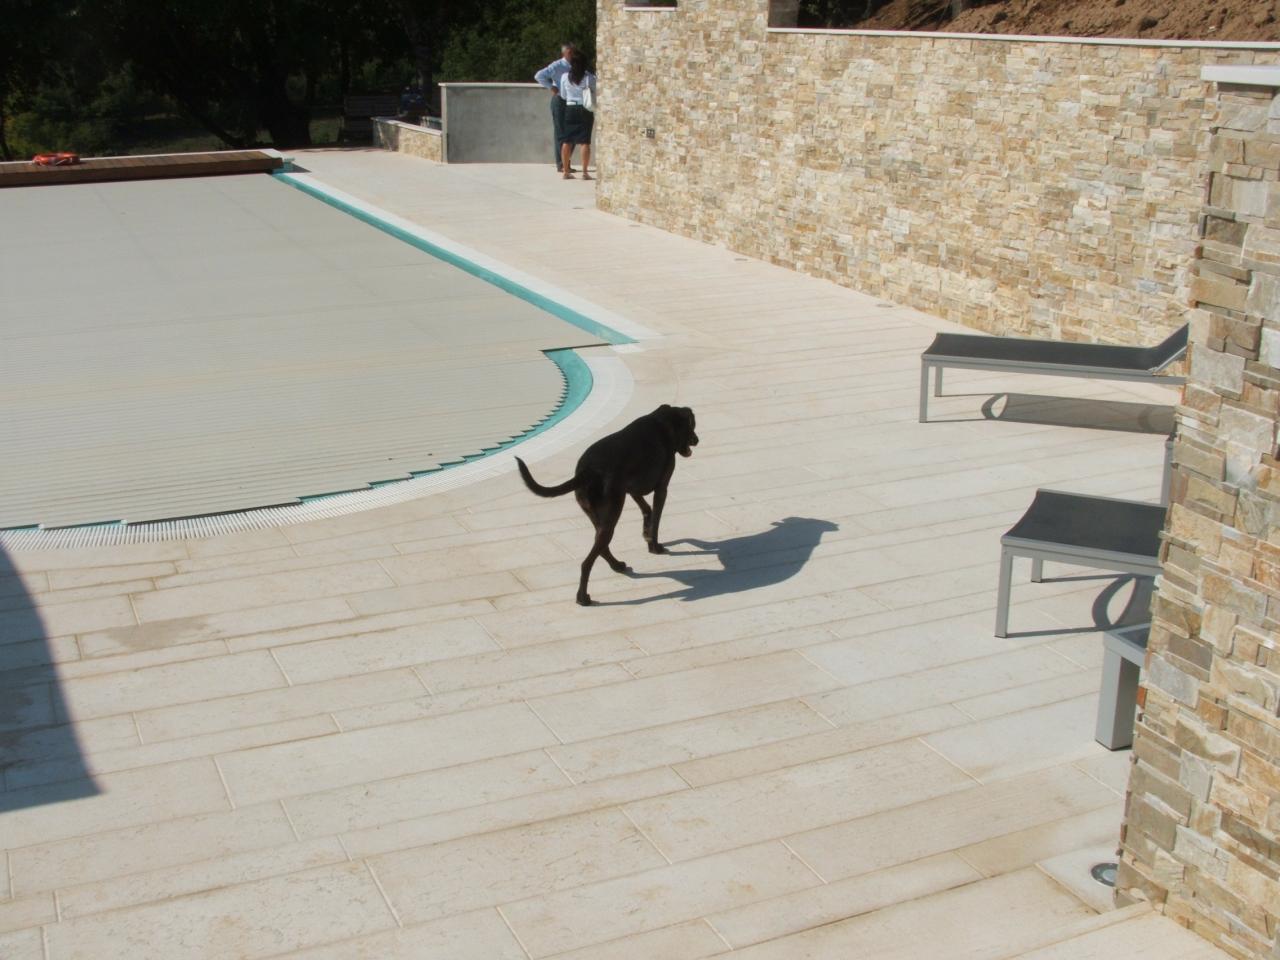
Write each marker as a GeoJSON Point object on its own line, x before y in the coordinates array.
{"type": "Point", "coordinates": [620, 567]}
{"type": "Point", "coordinates": [583, 600]}
{"type": "Point", "coordinates": [657, 548]}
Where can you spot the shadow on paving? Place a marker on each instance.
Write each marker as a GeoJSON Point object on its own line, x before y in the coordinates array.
{"type": "Point", "coordinates": [746, 563]}
{"type": "Point", "coordinates": [1136, 609]}
{"type": "Point", "coordinates": [1071, 412]}
{"type": "Point", "coordinates": [40, 757]}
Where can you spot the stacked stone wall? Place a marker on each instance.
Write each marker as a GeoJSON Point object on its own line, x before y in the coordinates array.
{"type": "Point", "coordinates": [1202, 826]}
{"type": "Point", "coordinates": [407, 138]}
{"type": "Point", "coordinates": [1043, 188]}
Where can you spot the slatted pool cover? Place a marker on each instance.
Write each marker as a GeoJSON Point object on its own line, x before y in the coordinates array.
{"type": "Point", "coordinates": [185, 347]}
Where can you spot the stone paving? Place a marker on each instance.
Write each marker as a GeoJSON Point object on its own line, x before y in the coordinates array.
{"type": "Point", "coordinates": [394, 735]}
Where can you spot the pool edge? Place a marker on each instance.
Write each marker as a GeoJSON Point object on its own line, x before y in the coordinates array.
{"type": "Point", "coordinates": [554, 300]}
{"type": "Point", "coordinates": [611, 388]}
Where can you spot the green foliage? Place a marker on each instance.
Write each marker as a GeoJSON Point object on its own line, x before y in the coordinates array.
{"type": "Point", "coordinates": [375, 75]}
{"type": "Point", "coordinates": [134, 75]}
{"type": "Point", "coordinates": [28, 34]}
{"type": "Point", "coordinates": [227, 64]}
{"type": "Point", "coordinates": [84, 108]}
{"type": "Point", "coordinates": [514, 40]}
{"type": "Point", "coordinates": [835, 13]}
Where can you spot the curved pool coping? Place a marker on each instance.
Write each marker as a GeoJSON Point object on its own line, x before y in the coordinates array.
{"type": "Point", "coordinates": [596, 389]}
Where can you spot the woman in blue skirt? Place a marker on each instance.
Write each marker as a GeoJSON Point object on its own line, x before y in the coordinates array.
{"type": "Point", "coordinates": [577, 86]}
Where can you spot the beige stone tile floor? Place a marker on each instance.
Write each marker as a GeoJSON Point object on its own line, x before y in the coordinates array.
{"type": "Point", "coordinates": [394, 735]}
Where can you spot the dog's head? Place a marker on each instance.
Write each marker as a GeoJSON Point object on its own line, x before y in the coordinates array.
{"type": "Point", "coordinates": [680, 421]}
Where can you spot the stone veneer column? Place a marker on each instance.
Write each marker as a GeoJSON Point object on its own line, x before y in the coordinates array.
{"type": "Point", "coordinates": [1202, 821]}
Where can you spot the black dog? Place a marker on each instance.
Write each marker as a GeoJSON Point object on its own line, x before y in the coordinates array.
{"type": "Point", "coordinates": [637, 460]}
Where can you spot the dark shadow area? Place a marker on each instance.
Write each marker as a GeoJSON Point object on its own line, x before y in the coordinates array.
{"type": "Point", "coordinates": [1136, 609]}
{"type": "Point", "coordinates": [1071, 412]}
{"type": "Point", "coordinates": [746, 563]}
{"type": "Point", "coordinates": [40, 758]}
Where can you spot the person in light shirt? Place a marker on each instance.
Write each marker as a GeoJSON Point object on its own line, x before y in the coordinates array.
{"type": "Point", "coordinates": [578, 120]}
{"type": "Point", "coordinates": [549, 77]}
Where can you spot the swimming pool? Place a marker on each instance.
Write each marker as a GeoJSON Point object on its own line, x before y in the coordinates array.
{"type": "Point", "coordinates": [208, 347]}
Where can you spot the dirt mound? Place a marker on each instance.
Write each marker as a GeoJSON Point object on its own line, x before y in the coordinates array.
{"type": "Point", "coordinates": [1145, 19]}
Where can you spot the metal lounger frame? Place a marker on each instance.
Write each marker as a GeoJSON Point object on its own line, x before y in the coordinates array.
{"type": "Point", "coordinates": [1125, 650]}
{"type": "Point", "coordinates": [939, 362]}
{"type": "Point", "coordinates": [1039, 551]}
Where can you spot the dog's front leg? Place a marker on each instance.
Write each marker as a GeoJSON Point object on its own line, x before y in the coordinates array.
{"type": "Point", "coordinates": [659, 498]}
{"type": "Point", "coordinates": [584, 598]}
{"type": "Point", "coordinates": [645, 512]}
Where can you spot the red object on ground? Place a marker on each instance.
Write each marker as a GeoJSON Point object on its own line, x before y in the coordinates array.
{"type": "Point", "coordinates": [56, 159]}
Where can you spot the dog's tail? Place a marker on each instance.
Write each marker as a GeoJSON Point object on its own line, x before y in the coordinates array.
{"type": "Point", "coordinates": [539, 489]}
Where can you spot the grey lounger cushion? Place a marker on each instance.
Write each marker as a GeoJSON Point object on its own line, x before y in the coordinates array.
{"type": "Point", "coordinates": [1048, 357]}
{"type": "Point", "coordinates": [1087, 531]}
{"type": "Point", "coordinates": [1098, 524]}
{"type": "Point", "coordinates": [1051, 353]}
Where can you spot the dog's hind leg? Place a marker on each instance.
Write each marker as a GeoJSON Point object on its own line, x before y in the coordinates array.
{"type": "Point", "coordinates": [591, 511]}
{"type": "Point", "coordinates": [617, 565]}
{"type": "Point", "coordinates": [606, 519]}
{"type": "Point", "coordinates": [587, 503]}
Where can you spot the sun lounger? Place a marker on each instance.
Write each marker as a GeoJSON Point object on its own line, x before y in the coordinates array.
{"type": "Point", "coordinates": [1047, 357]}
{"type": "Point", "coordinates": [1086, 531]}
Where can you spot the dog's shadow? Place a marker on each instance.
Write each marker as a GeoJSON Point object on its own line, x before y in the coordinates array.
{"type": "Point", "coordinates": [746, 563]}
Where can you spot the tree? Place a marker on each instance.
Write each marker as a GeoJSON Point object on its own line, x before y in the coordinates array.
{"type": "Point", "coordinates": [492, 40]}
{"type": "Point", "coordinates": [420, 30]}
{"type": "Point", "coordinates": [92, 76]}
{"type": "Point", "coordinates": [27, 41]}
{"type": "Point", "coordinates": [429, 26]}
{"type": "Point", "coordinates": [511, 39]}
{"type": "Point", "coordinates": [229, 65]}
{"type": "Point", "coordinates": [836, 13]}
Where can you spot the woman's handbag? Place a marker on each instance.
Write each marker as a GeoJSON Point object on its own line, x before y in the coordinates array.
{"type": "Point", "coordinates": [589, 99]}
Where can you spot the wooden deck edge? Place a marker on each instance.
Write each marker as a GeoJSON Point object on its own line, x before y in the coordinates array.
{"type": "Point", "coordinates": [103, 169]}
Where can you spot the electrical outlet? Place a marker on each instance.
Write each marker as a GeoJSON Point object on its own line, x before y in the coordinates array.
{"type": "Point", "coordinates": [649, 133]}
